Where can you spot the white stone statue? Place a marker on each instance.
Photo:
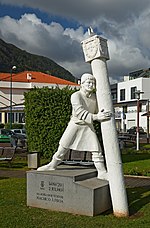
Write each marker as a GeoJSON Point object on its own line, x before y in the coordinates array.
{"type": "Point", "coordinates": [80, 134]}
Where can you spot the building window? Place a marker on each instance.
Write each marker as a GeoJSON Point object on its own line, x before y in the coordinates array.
{"type": "Point", "coordinates": [12, 117]}
{"type": "Point", "coordinates": [133, 94]}
{"type": "Point", "coordinates": [5, 117]}
{"type": "Point", "coordinates": [114, 96]}
{"type": "Point", "coordinates": [21, 117]}
{"type": "Point", "coordinates": [122, 94]}
{"type": "Point", "coordinates": [140, 107]}
{"type": "Point", "coordinates": [125, 109]}
{"type": "Point", "coordinates": [16, 117]}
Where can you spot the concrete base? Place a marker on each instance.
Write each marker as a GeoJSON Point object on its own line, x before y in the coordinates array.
{"type": "Point", "coordinates": [33, 160]}
{"type": "Point", "coordinates": [68, 189]}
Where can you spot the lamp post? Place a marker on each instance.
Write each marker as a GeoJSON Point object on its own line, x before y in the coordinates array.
{"type": "Point", "coordinates": [11, 71]}
{"type": "Point", "coordinates": [147, 121]}
{"type": "Point", "coordinates": [138, 93]}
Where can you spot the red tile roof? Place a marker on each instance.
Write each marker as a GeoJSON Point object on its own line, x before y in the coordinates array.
{"type": "Point", "coordinates": [37, 77]}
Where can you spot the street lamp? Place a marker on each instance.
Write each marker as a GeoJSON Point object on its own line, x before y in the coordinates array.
{"type": "Point", "coordinates": [138, 93]}
{"type": "Point", "coordinates": [147, 121]}
{"type": "Point", "coordinates": [11, 71]}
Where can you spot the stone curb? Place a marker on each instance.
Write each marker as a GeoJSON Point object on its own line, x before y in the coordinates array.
{"type": "Point", "coordinates": [134, 176]}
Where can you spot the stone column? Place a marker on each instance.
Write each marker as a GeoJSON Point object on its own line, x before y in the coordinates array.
{"type": "Point", "coordinates": [96, 53]}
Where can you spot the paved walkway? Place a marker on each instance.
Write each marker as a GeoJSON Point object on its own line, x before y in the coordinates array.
{"type": "Point", "coordinates": [13, 173]}
{"type": "Point", "coordinates": [130, 181]}
{"type": "Point", "coordinates": [137, 181]}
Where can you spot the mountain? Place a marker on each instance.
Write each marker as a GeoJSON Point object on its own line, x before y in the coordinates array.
{"type": "Point", "coordinates": [11, 55]}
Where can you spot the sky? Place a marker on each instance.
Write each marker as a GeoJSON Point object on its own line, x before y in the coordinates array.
{"type": "Point", "coordinates": [56, 28]}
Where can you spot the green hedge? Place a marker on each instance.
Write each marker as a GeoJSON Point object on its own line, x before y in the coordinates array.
{"type": "Point", "coordinates": [14, 126]}
{"type": "Point", "coordinates": [47, 112]}
{"type": "Point", "coordinates": [2, 125]}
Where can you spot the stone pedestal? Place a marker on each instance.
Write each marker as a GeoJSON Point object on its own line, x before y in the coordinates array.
{"type": "Point", "coordinates": [68, 189]}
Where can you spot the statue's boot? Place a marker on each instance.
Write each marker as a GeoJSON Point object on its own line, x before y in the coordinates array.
{"type": "Point", "coordinates": [102, 173]}
{"type": "Point", "coordinates": [56, 160]}
{"type": "Point", "coordinates": [50, 166]}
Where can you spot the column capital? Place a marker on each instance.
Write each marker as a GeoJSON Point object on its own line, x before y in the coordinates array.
{"type": "Point", "coordinates": [95, 47]}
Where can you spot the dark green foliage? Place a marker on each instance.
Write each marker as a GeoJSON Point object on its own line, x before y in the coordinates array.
{"type": "Point", "coordinates": [47, 114]}
{"type": "Point", "coordinates": [17, 126]}
{"type": "Point", "coordinates": [2, 125]}
{"type": "Point", "coordinates": [14, 125]}
{"type": "Point", "coordinates": [11, 55]}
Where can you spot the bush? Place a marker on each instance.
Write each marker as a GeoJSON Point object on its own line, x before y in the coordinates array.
{"type": "Point", "coordinates": [2, 125]}
{"type": "Point", "coordinates": [14, 126]}
{"type": "Point", "coordinates": [47, 112]}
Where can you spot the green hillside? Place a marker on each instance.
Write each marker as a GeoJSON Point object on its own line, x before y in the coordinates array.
{"type": "Point", "coordinates": [11, 55]}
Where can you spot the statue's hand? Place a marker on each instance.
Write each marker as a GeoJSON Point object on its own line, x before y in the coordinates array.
{"type": "Point", "coordinates": [102, 116]}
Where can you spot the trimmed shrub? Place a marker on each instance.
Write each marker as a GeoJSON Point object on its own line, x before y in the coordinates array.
{"type": "Point", "coordinates": [2, 125]}
{"type": "Point", "coordinates": [47, 113]}
{"type": "Point", "coordinates": [14, 126]}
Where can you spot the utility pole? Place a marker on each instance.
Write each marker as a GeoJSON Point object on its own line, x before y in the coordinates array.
{"type": "Point", "coordinates": [11, 71]}
{"type": "Point", "coordinates": [147, 121]}
{"type": "Point", "coordinates": [138, 93]}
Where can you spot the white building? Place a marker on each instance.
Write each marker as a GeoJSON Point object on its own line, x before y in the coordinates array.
{"type": "Point", "coordinates": [123, 93]}
{"type": "Point", "coordinates": [21, 83]}
{"type": "Point", "coordinates": [126, 105]}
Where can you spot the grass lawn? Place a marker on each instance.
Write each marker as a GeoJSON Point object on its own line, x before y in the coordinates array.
{"type": "Point", "coordinates": [136, 164]}
{"type": "Point", "coordinates": [15, 214]}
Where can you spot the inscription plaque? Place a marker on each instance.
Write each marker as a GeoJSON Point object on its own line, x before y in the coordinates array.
{"type": "Point", "coordinates": [55, 188]}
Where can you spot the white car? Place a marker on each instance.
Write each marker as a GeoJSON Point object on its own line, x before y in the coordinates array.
{"type": "Point", "coordinates": [19, 131]}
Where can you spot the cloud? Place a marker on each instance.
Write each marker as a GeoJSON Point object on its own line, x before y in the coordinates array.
{"type": "Point", "coordinates": [131, 50]}
{"type": "Point", "coordinates": [51, 40]}
{"type": "Point", "coordinates": [87, 11]}
{"type": "Point", "coordinates": [124, 23]}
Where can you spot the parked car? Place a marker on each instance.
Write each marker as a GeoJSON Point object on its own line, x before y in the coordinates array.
{"type": "Point", "coordinates": [15, 139]}
{"type": "Point", "coordinates": [19, 131]}
{"type": "Point", "coordinates": [11, 136]}
{"type": "Point", "coordinates": [132, 130]}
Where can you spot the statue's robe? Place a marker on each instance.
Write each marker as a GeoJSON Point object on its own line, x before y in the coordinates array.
{"type": "Point", "coordinates": [80, 134]}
